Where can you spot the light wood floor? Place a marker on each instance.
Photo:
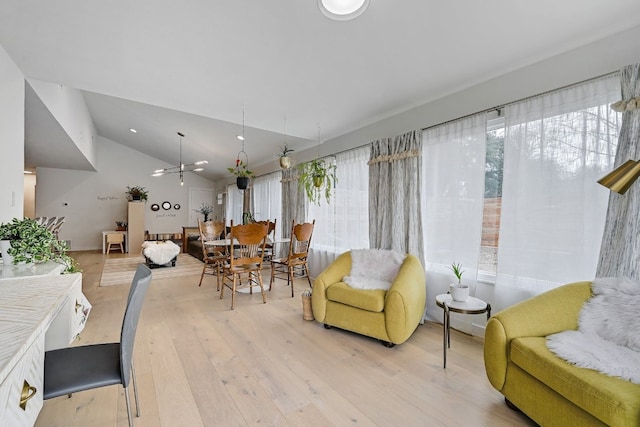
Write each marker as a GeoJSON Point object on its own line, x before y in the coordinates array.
{"type": "Point", "coordinates": [198, 363]}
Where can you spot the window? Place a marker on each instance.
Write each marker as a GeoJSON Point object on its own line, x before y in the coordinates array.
{"type": "Point", "coordinates": [344, 223]}
{"type": "Point", "coordinates": [556, 147]}
{"type": "Point", "coordinates": [493, 172]}
{"type": "Point", "coordinates": [235, 199]}
{"type": "Point", "coordinates": [267, 199]}
{"type": "Point", "coordinates": [516, 194]}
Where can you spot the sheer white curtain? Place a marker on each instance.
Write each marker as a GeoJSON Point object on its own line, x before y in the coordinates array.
{"type": "Point", "coordinates": [453, 164]}
{"type": "Point", "coordinates": [234, 205]}
{"type": "Point", "coordinates": [557, 146]}
{"type": "Point", "coordinates": [267, 199]}
{"type": "Point", "coordinates": [343, 224]}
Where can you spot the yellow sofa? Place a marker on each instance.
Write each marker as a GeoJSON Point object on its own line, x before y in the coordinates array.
{"type": "Point", "coordinates": [546, 388]}
{"type": "Point", "coordinates": [390, 316]}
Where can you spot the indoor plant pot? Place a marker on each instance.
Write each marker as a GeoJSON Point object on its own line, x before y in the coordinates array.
{"type": "Point", "coordinates": [285, 160]}
{"type": "Point", "coordinates": [7, 258]}
{"type": "Point", "coordinates": [242, 182]}
{"type": "Point", "coordinates": [318, 179]}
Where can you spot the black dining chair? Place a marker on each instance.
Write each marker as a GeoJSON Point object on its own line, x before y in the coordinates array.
{"type": "Point", "coordinates": [73, 369]}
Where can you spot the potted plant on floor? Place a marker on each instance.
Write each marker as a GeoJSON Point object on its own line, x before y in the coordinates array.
{"type": "Point", "coordinates": [242, 173]}
{"type": "Point", "coordinates": [137, 193]}
{"type": "Point", "coordinates": [33, 243]}
{"type": "Point", "coordinates": [318, 178]}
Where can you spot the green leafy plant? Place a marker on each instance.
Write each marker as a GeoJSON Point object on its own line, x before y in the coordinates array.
{"type": "Point", "coordinates": [31, 242]}
{"type": "Point", "coordinates": [285, 151]}
{"type": "Point", "coordinates": [318, 178]}
{"type": "Point", "coordinates": [248, 218]}
{"type": "Point", "coordinates": [137, 193]}
{"type": "Point", "coordinates": [241, 169]}
{"type": "Point", "coordinates": [457, 270]}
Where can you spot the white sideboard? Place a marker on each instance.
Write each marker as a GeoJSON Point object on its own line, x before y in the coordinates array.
{"type": "Point", "coordinates": [35, 313]}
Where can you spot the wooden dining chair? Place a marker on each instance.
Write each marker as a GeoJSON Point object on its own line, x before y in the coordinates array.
{"type": "Point", "coordinates": [271, 237]}
{"type": "Point", "coordinates": [115, 239]}
{"type": "Point", "coordinates": [212, 256]}
{"type": "Point", "coordinates": [245, 258]}
{"type": "Point", "coordinates": [296, 263]}
{"type": "Point", "coordinates": [73, 369]}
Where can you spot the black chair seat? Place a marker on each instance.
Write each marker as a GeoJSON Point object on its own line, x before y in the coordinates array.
{"type": "Point", "coordinates": [74, 369]}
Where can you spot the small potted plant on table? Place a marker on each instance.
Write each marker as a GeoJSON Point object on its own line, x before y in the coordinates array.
{"type": "Point", "coordinates": [459, 292]}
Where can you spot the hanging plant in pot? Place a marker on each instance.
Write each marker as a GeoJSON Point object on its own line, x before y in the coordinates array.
{"type": "Point", "coordinates": [242, 173]}
{"type": "Point", "coordinates": [318, 178]}
{"type": "Point", "coordinates": [285, 159]}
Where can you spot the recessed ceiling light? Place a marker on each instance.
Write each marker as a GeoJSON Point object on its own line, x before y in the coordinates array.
{"type": "Point", "coordinates": [343, 10]}
{"type": "Point", "coordinates": [132, 130]}
{"type": "Point", "coordinates": [240, 137]}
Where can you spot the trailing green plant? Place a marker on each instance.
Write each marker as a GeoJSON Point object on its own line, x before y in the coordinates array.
{"type": "Point", "coordinates": [137, 193]}
{"type": "Point", "coordinates": [31, 242]}
{"type": "Point", "coordinates": [241, 169]}
{"type": "Point", "coordinates": [318, 178]}
{"type": "Point", "coordinates": [457, 270]}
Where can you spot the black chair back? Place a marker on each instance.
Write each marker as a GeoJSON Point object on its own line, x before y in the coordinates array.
{"type": "Point", "coordinates": [139, 286]}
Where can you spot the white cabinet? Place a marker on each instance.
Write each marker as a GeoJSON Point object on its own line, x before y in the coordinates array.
{"type": "Point", "coordinates": [21, 392]}
{"type": "Point", "coordinates": [35, 312]}
{"type": "Point", "coordinates": [135, 230]}
{"type": "Point", "coordinates": [70, 321]}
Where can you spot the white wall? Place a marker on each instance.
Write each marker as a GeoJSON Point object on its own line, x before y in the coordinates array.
{"type": "Point", "coordinates": [93, 201]}
{"type": "Point", "coordinates": [11, 138]}
{"type": "Point", "coordinates": [68, 107]}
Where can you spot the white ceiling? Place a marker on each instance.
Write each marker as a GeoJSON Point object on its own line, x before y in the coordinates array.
{"type": "Point", "coordinates": [163, 66]}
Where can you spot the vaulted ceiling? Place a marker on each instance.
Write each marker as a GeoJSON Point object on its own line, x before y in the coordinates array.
{"type": "Point", "coordinates": [164, 66]}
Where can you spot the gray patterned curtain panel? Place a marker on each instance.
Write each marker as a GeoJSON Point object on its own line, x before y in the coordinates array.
{"type": "Point", "coordinates": [395, 176]}
{"type": "Point", "coordinates": [620, 249]}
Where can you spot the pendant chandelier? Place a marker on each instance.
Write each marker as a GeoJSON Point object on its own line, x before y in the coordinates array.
{"type": "Point", "coordinates": [181, 168]}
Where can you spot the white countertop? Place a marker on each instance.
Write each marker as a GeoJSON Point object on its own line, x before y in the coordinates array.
{"type": "Point", "coordinates": [27, 308]}
{"type": "Point", "coordinates": [48, 268]}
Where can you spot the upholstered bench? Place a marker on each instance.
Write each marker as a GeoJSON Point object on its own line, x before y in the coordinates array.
{"type": "Point", "coordinates": [160, 254]}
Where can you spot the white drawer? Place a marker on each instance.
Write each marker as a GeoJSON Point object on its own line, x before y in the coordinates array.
{"type": "Point", "coordinates": [24, 385]}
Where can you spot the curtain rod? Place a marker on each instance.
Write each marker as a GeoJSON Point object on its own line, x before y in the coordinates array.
{"type": "Point", "coordinates": [496, 108]}
{"type": "Point", "coordinates": [500, 107]}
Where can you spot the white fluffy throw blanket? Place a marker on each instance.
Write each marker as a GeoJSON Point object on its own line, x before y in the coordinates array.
{"type": "Point", "coordinates": [160, 252]}
{"type": "Point", "coordinates": [608, 335]}
{"type": "Point", "coordinates": [373, 268]}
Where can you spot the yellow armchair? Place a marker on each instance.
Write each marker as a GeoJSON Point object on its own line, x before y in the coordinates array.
{"type": "Point", "coordinates": [546, 388]}
{"type": "Point", "coordinates": [390, 316]}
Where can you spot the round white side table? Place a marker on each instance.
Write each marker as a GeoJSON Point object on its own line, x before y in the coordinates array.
{"type": "Point", "coordinates": [470, 306]}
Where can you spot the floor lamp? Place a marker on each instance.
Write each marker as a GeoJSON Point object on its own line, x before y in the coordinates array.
{"type": "Point", "coordinates": [621, 178]}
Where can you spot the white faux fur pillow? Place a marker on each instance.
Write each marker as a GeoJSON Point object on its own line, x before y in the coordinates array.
{"type": "Point", "coordinates": [373, 268]}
